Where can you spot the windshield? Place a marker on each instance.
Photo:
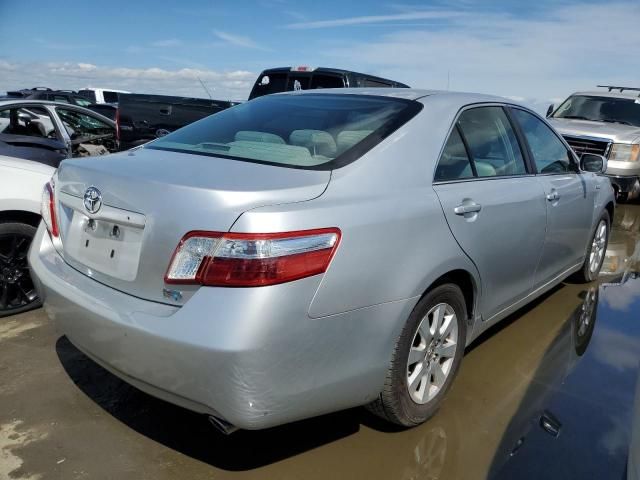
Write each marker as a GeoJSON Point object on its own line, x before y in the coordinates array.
{"type": "Point", "coordinates": [299, 131]}
{"type": "Point", "coordinates": [601, 109]}
{"type": "Point", "coordinates": [82, 127]}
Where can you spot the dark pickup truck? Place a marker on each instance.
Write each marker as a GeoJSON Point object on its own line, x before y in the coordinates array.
{"type": "Point", "coordinates": [284, 79]}
{"type": "Point", "coordinates": [141, 118]}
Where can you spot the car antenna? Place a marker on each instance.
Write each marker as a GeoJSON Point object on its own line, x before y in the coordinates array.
{"type": "Point", "coordinates": [205, 88]}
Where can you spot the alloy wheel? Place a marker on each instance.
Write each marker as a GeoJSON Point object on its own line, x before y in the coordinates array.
{"type": "Point", "coordinates": [598, 247]}
{"type": "Point", "coordinates": [432, 353]}
{"type": "Point", "coordinates": [16, 287]}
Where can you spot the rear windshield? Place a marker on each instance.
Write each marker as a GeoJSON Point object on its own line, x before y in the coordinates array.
{"type": "Point", "coordinates": [309, 131]}
{"type": "Point", "coordinates": [601, 109]}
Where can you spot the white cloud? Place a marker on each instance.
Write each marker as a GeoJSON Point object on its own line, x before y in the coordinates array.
{"type": "Point", "coordinates": [239, 40]}
{"type": "Point", "coordinates": [233, 85]}
{"type": "Point", "coordinates": [371, 19]}
{"type": "Point", "coordinates": [569, 48]}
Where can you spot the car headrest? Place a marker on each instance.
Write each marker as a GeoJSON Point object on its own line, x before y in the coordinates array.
{"type": "Point", "coordinates": [348, 138]}
{"type": "Point", "coordinates": [251, 136]}
{"type": "Point", "coordinates": [318, 142]}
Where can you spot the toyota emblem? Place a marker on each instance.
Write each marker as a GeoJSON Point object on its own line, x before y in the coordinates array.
{"type": "Point", "coordinates": [92, 200]}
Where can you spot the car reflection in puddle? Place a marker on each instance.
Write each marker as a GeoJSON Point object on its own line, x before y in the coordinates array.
{"type": "Point", "coordinates": [547, 393]}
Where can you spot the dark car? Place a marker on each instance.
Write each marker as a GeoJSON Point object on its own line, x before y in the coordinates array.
{"type": "Point", "coordinates": [286, 79]}
{"type": "Point", "coordinates": [141, 118]}
{"type": "Point", "coordinates": [44, 93]}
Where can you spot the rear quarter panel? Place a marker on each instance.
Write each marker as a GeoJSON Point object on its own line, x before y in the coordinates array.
{"type": "Point", "coordinates": [395, 240]}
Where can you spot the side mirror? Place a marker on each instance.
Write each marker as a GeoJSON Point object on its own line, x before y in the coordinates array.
{"type": "Point", "coordinates": [590, 162]}
{"type": "Point", "coordinates": [550, 110]}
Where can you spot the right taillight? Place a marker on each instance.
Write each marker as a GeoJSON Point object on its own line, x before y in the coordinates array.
{"type": "Point", "coordinates": [48, 210]}
{"type": "Point", "coordinates": [251, 259]}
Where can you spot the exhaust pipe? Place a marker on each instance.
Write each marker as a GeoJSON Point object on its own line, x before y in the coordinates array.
{"type": "Point", "coordinates": [222, 425]}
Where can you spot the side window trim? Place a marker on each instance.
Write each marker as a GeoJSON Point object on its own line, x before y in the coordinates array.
{"type": "Point", "coordinates": [472, 161]}
{"type": "Point", "coordinates": [522, 140]}
{"type": "Point", "coordinates": [572, 156]}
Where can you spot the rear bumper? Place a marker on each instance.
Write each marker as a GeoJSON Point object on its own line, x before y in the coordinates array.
{"type": "Point", "coordinates": [251, 356]}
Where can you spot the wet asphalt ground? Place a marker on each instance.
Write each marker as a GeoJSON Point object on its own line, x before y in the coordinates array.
{"type": "Point", "coordinates": [567, 364]}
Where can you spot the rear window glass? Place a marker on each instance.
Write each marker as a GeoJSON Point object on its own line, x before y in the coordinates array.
{"type": "Point", "coordinates": [298, 131]}
{"type": "Point", "coordinates": [269, 83]}
{"type": "Point", "coordinates": [327, 81]}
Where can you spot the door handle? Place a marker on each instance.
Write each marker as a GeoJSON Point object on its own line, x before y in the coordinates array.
{"type": "Point", "coordinates": [553, 196]}
{"type": "Point", "coordinates": [467, 208]}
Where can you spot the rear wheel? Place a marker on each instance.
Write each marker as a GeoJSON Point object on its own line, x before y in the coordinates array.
{"type": "Point", "coordinates": [596, 251]}
{"type": "Point", "coordinates": [17, 293]}
{"type": "Point", "coordinates": [426, 358]}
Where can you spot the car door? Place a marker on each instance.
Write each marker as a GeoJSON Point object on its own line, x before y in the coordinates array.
{"type": "Point", "coordinates": [569, 200]}
{"type": "Point", "coordinates": [494, 206]}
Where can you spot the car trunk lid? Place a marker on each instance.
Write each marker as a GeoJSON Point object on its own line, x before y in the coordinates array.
{"type": "Point", "coordinates": [149, 199]}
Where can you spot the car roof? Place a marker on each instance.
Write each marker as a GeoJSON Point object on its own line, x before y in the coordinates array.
{"type": "Point", "coordinates": [406, 93]}
{"type": "Point", "coordinates": [8, 102]}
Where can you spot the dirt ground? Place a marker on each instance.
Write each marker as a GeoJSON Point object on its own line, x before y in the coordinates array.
{"type": "Point", "coordinates": [64, 417]}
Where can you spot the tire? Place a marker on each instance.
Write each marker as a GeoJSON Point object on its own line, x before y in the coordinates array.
{"type": "Point", "coordinates": [622, 197]}
{"type": "Point", "coordinates": [401, 404]}
{"type": "Point", "coordinates": [598, 244]}
{"type": "Point", "coordinates": [17, 292]}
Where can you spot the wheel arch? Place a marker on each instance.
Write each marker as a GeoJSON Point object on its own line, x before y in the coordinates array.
{"type": "Point", "coordinates": [610, 208]}
{"type": "Point", "coordinates": [466, 282]}
{"type": "Point", "coordinates": [20, 216]}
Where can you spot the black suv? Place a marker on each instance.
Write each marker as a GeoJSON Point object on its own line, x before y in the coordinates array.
{"type": "Point", "coordinates": [286, 79]}
{"type": "Point", "coordinates": [44, 93]}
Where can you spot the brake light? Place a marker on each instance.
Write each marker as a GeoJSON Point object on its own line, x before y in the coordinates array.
{"type": "Point", "coordinates": [302, 68]}
{"type": "Point", "coordinates": [251, 259]}
{"type": "Point", "coordinates": [48, 209]}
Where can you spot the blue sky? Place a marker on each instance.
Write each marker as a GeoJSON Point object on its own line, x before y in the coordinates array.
{"type": "Point", "coordinates": [536, 51]}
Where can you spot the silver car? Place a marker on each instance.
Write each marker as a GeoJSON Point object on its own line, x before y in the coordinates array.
{"type": "Point", "coordinates": [308, 252]}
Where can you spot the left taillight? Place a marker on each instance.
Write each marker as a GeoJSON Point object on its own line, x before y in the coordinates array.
{"type": "Point", "coordinates": [251, 259]}
{"type": "Point", "coordinates": [48, 209]}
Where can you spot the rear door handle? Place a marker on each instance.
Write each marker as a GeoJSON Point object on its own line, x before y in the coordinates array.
{"type": "Point", "coordinates": [467, 208]}
{"type": "Point", "coordinates": [553, 196]}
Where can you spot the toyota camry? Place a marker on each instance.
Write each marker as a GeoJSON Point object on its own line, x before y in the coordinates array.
{"type": "Point", "coordinates": [308, 252]}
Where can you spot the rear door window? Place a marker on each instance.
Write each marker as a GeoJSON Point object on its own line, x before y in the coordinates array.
{"type": "Point", "coordinates": [549, 153]}
{"type": "Point", "coordinates": [492, 143]}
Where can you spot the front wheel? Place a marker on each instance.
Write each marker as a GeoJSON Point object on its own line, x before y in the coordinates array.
{"type": "Point", "coordinates": [596, 250]}
{"type": "Point", "coordinates": [425, 359]}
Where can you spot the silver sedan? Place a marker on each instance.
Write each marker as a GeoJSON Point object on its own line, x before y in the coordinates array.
{"type": "Point", "coordinates": [308, 252]}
